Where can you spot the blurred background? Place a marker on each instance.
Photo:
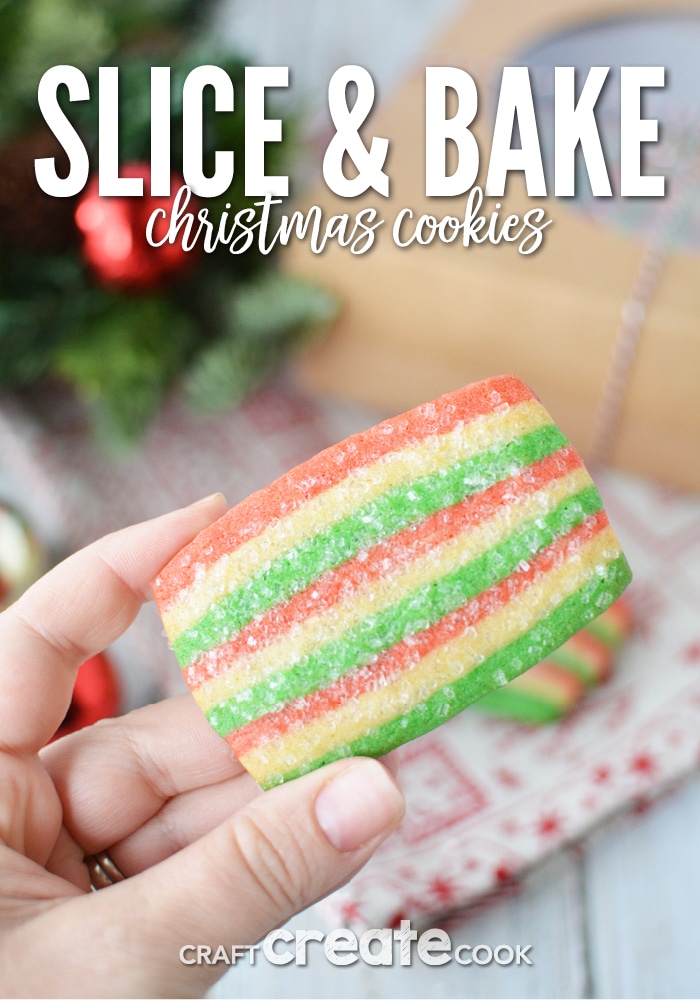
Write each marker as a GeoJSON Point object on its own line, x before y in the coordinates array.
{"type": "Point", "coordinates": [133, 381]}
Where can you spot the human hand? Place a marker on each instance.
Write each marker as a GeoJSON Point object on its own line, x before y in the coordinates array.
{"type": "Point", "coordinates": [209, 859]}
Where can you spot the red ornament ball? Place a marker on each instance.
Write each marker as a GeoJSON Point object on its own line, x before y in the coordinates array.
{"type": "Point", "coordinates": [114, 235]}
{"type": "Point", "coordinates": [95, 696]}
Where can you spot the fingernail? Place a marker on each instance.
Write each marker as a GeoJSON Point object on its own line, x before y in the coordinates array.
{"type": "Point", "coordinates": [210, 499]}
{"type": "Point", "coordinates": [360, 803]}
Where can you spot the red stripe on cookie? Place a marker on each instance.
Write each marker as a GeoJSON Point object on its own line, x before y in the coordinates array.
{"type": "Point", "coordinates": [380, 561]}
{"type": "Point", "coordinates": [252, 516]}
{"type": "Point", "coordinates": [411, 651]}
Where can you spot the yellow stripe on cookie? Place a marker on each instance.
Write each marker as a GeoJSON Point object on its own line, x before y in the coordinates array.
{"type": "Point", "coordinates": [445, 665]}
{"type": "Point", "coordinates": [305, 636]}
{"type": "Point", "coordinates": [331, 506]}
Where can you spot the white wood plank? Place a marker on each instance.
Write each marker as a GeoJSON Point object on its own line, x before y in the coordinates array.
{"type": "Point", "coordinates": [643, 900]}
{"type": "Point", "coordinates": [545, 913]}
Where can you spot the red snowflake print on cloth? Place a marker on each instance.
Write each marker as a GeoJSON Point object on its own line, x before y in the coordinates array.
{"type": "Point", "coordinates": [439, 791]}
{"type": "Point", "coordinates": [507, 777]}
{"type": "Point", "coordinates": [503, 873]}
{"type": "Point", "coordinates": [643, 764]}
{"type": "Point", "coordinates": [351, 912]}
{"type": "Point", "coordinates": [549, 824]}
{"type": "Point", "coordinates": [443, 889]}
{"type": "Point", "coordinates": [691, 653]}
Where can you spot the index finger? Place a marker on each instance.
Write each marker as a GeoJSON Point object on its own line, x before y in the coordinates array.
{"type": "Point", "coordinates": [75, 611]}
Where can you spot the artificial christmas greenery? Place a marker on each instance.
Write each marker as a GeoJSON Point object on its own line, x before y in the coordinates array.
{"type": "Point", "coordinates": [216, 325]}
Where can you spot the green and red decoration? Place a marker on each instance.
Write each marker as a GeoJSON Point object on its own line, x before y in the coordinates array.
{"type": "Point", "coordinates": [83, 297]}
{"type": "Point", "coordinates": [113, 244]}
{"type": "Point", "coordinates": [96, 695]}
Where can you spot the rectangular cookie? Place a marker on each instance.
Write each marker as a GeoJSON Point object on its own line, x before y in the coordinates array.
{"type": "Point", "coordinates": [390, 581]}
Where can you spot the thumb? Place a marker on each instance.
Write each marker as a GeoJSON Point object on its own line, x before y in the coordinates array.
{"type": "Point", "coordinates": [286, 849]}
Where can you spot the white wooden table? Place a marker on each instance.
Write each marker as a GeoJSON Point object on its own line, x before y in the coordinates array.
{"type": "Point", "coordinates": [617, 916]}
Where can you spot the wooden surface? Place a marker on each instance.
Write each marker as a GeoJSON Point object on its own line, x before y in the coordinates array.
{"type": "Point", "coordinates": [616, 917]}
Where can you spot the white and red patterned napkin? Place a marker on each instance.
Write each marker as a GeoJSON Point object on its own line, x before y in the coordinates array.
{"type": "Point", "coordinates": [486, 798]}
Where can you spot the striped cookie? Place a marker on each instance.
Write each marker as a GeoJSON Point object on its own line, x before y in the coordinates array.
{"type": "Point", "coordinates": [585, 656]}
{"type": "Point", "coordinates": [382, 586]}
{"type": "Point", "coordinates": [552, 688]}
{"type": "Point", "coordinates": [614, 625]}
{"type": "Point", "coordinates": [544, 693]}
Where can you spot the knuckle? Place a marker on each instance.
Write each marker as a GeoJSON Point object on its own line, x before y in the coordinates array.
{"type": "Point", "coordinates": [172, 835]}
{"type": "Point", "coordinates": [275, 862]}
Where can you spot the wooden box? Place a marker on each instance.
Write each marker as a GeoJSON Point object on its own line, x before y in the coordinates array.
{"type": "Point", "coordinates": [420, 321]}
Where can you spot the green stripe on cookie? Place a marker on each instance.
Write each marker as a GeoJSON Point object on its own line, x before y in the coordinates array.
{"type": "Point", "coordinates": [597, 593]}
{"type": "Point", "coordinates": [520, 706]}
{"type": "Point", "coordinates": [418, 611]}
{"type": "Point", "coordinates": [388, 514]}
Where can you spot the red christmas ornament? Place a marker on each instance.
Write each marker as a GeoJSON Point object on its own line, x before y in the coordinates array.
{"type": "Point", "coordinates": [114, 235]}
{"type": "Point", "coordinates": [95, 696]}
